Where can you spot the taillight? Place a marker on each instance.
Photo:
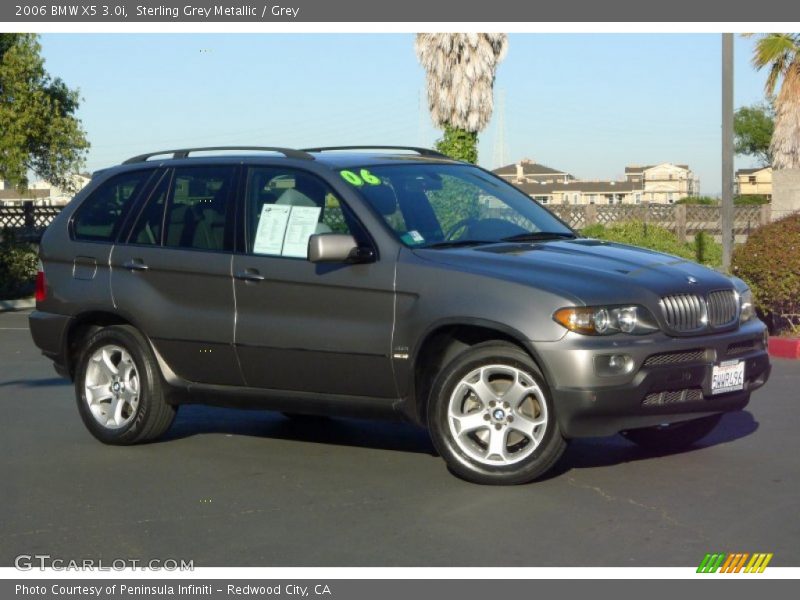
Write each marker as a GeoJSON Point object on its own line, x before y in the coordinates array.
{"type": "Point", "coordinates": [41, 285]}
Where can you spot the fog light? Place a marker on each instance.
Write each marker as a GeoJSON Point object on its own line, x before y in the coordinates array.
{"type": "Point", "coordinates": [610, 365]}
{"type": "Point", "coordinates": [620, 362]}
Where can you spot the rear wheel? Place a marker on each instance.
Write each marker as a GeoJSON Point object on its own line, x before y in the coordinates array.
{"type": "Point", "coordinates": [120, 395]}
{"type": "Point", "coordinates": [491, 416]}
{"type": "Point", "coordinates": [675, 436]}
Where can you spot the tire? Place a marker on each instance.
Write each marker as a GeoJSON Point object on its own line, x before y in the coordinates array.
{"type": "Point", "coordinates": [674, 437]}
{"type": "Point", "coordinates": [478, 429]}
{"type": "Point", "coordinates": [136, 388]}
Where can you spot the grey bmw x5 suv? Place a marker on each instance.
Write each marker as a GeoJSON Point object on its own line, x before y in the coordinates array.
{"type": "Point", "coordinates": [375, 283]}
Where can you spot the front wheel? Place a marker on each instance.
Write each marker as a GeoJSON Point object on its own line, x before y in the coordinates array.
{"type": "Point", "coordinates": [675, 436]}
{"type": "Point", "coordinates": [491, 416]}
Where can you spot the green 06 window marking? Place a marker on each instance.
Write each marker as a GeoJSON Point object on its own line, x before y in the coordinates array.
{"type": "Point", "coordinates": [351, 178]}
{"type": "Point", "coordinates": [358, 180]}
{"type": "Point", "coordinates": [369, 177]}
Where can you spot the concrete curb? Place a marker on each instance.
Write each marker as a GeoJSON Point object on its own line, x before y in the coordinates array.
{"type": "Point", "coordinates": [20, 304]}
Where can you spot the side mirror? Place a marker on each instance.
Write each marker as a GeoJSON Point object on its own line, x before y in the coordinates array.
{"type": "Point", "coordinates": [336, 247]}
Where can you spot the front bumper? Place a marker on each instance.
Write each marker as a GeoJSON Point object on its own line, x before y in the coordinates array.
{"type": "Point", "coordinates": [669, 382]}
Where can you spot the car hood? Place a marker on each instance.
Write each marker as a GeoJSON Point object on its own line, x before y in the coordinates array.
{"type": "Point", "coordinates": [592, 270]}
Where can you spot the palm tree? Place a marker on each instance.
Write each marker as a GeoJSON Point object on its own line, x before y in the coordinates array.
{"type": "Point", "coordinates": [461, 70]}
{"type": "Point", "coordinates": [780, 53]}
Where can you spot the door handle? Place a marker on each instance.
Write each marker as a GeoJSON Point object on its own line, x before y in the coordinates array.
{"type": "Point", "coordinates": [135, 264]}
{"type": "Point", "coordinates": [250, 275]}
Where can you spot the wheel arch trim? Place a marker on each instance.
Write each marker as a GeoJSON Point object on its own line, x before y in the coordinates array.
{"type": "Point", "coordinates": [110, 318]}
{"type": "Point", "coordinates": [417, 404]}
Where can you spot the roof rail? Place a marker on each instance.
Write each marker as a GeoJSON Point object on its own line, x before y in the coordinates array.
{"type": "Point", "coordinates": [184, 152]}
{"type": "Point", "coordinates": [420, 151]}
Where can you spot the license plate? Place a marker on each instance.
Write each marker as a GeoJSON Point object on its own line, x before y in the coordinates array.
{"type": "Point", "coordinates": [727, 376]}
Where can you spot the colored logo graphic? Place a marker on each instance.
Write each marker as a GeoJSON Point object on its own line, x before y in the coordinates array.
{"type": "Point", "coordinates": [739, 562]}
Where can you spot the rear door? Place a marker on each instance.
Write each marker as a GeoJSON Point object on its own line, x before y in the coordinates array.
{"type": "Point", "coordinates": [172, 276]}
{"type": "Point", "coordinates": [303, 326]}
{"type": "Point", "coordinates": [78, 266]}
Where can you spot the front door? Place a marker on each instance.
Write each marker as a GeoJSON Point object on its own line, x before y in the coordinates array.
{"type": "Point", "coordinates": [303, 326]}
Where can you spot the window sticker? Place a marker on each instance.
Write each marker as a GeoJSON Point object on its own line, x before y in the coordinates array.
{"type": "Point", "coordinates": [271, 229]}
{"type": "Point", "coordinates": [301, 226]}
{"type": "Point", "coordinates": [284, 230]}
{"type": "Point", "coordinates": [412, 238]}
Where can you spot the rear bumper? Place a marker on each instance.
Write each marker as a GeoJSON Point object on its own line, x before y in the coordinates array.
{"type": "Point", "coordinates": [49, 332]}
{"type": "Point", "coordinates": [591, 405]}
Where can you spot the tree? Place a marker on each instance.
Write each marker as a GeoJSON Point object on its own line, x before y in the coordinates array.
{"type": "Point", "coordinates": [780, 53]}
{"type": "Point", "coordinates": [752, 128]}
{"type": "Point", "coordinates": [39, 132]}
{"type": "Point", "coordinates": [461, 70]}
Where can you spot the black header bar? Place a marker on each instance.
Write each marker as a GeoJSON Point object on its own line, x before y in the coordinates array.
{"type": "Point", "coordinates": [438, 11]}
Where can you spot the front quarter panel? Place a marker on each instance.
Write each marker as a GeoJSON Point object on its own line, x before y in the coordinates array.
{"type": "Point", "coordinates": [432, 295]}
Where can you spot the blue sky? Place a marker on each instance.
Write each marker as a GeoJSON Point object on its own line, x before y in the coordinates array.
{"type": "Point", "coordinates": [585, 103]}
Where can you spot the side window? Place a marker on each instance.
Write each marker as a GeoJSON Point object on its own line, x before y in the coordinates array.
{"type": "Point", "coordinates": [198, 208]}
{"type": "Point", "coordinates": [98, 218]}
{"type": "Point", "coordinates": [286, 207]}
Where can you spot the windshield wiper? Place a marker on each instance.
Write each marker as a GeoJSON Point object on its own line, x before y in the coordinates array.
{"type": "Point", "coordinates": [538, 236]}
{"type": "Point", "coordinates": [457, 243]}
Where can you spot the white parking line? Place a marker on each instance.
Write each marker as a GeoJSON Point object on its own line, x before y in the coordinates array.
{"type": "Point", "coordinates": [14, 328]}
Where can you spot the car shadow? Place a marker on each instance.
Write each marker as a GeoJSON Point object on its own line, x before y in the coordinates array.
{"type": "Point", "coordinates": [34, 383]}
{"type": "Point", "coordinates": [587, 453]}
{"type": "Point", "coordinates": [195, 419]}
{"type": "Point", "coordinates": [584, 453]}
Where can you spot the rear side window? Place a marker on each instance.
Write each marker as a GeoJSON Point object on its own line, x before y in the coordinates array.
{"type": "Point", "coordinates": [99, 216]}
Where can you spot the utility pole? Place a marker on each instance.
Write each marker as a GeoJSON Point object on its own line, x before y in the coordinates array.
{"type": "Point", "coordinates": [422, 109]}
{"type": "Point", "coordinates": [726, 208]}
{"type": "Point", "coordinates": [499, 154]}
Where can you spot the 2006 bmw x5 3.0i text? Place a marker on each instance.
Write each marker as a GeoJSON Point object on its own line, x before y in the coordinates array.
{"type": "Point", "coordinates": [375, 283]}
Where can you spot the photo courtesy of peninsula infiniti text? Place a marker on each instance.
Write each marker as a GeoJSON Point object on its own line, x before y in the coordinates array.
{"type": "Point", "coordinates": [381, 282]}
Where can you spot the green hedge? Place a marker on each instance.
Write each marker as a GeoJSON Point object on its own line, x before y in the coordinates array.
{"type": "Point", "coordinates": [18, 263]}
{"type": "Point", "coordinates": [704, 249]}
{"type": "Point", "coordinates": [750, 199]}
{"type": "Point", "coordinates": [704, 200]}
{"type": "Point", "coordinates": [745, 200]}
{"type": "Point", "coordinates": [770, 264]}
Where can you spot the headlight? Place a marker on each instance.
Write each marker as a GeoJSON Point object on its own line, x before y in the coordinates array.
{"type": "Point", "coordinates": [606, 320]}
{"type": "Point", "coordinates": [746, 309]}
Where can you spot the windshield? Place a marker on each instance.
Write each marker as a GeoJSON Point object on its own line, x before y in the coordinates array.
{"type": "Point", "coordinates": [441, 205]}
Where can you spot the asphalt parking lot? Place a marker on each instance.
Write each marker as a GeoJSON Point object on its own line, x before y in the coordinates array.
{"type": "Point", "coordinates": [248, 488]}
